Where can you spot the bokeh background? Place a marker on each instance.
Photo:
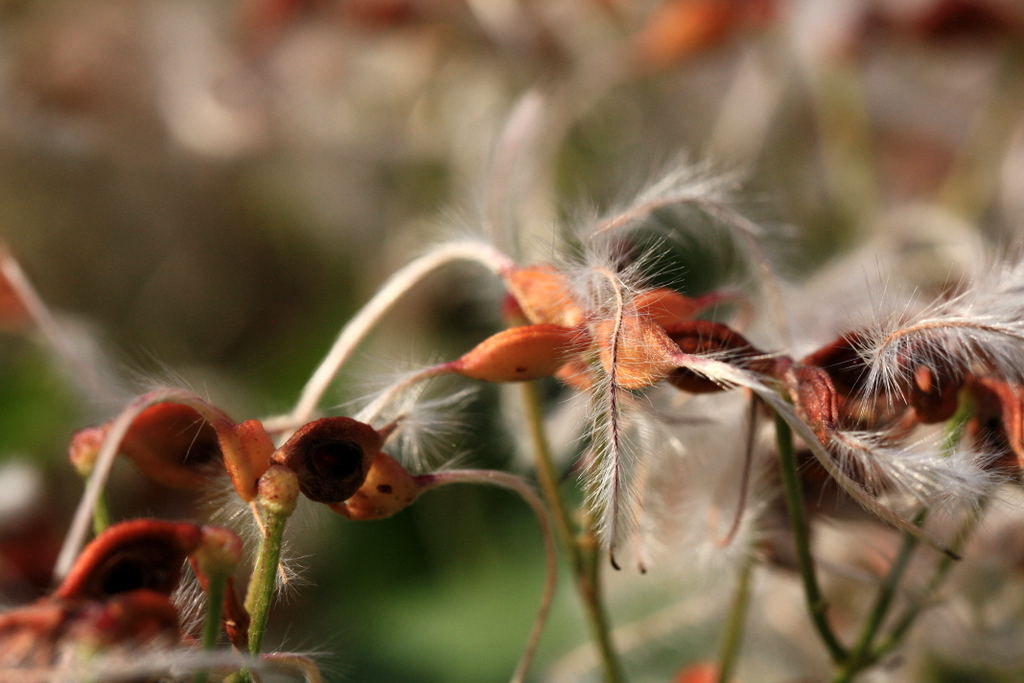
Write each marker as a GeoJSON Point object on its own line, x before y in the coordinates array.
{"type": "Point", "coordinates": [203, 191]}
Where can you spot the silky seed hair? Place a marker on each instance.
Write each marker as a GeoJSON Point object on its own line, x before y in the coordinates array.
{"type": "Point", "coordinates": [979, 327]}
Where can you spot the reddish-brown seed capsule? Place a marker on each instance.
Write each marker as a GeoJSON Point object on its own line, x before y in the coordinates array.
{"type": "Point", "coordinates": [842, 361]}
{"type": "Point", "coordinates": [706, 338]}
{"type": "Point", "coordinates": [138, 554]}
{"type": "Point", "coordinates": [666, 306]}
{"type": "Point", "coordinates": [997, 422]}
{"type": "Point", "coordinates": [544, 296]}
{"type": "Point", "coordinates": [520, 353]}
{"type": "Point", "coordinates": [388, 489]}
{"type": "Point", "coordinates": [331, 457]}
{"type": "Point", "coordinates": [168, 442]}
{"type": "Point", "coordinates": [815, 399]}
{"type": "Point", "coordinates": [634, 350]}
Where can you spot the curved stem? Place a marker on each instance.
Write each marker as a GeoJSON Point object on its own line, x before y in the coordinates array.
{"type": "Point", "coordinates": [522, 488]}
{"type": "Point", "coordinates": [584, 553]}
{"type": "Point", "coordinates": [359, 326]}
{"type": "Point", "coordinates": [801, 537]}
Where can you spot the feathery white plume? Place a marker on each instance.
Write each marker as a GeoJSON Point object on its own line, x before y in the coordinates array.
{"type": "Point", "coordinates": [979, 329]}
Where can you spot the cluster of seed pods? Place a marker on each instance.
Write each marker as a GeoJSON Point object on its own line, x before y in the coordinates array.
{"type": "Point", "coordinates": [603, 336]}
{"type": "Point", "coordinates": [118, 596]}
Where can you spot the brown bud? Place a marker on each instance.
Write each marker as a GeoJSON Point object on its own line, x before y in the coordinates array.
{"type": "Point", "coordinates": [519, 353]}
{"type": "Point", "coordinates": [141, 553]}
{"type": "Point", "coordinates": [544, 296]}
{"type": "Point", "coordinates": [84, 448]}
{"type": "Point", "coordinates": [388, 489]}
{"type": "Point", "coordinates": [815, 399]}
{"type": "Point", "coordinates": [331, 457]}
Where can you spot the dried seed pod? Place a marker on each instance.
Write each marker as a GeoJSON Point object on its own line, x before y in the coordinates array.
{"type": "Point", "coordinates": [138, 554]}
{"type": "Point", "coordinates": [997, 422]}
{"type": "Point", "coordinates": [666, 306]}
{"type": "Point", "coordinates": [706, 338]}
{"type": "Point", "coordinates": [544, 296]}
{"type": "Point", "coordinates": [30, 635]}
{"type": "Point", "coordinates": [934, 390]}
{"type": "Point", "coordinates": [168, 442]}
{"type": "Point", "coordinates": [843, 362]}
{"type": "Point", "coordinates": [815, 399]}
{"type": "Point", "coordinates": [136, 617]}
{"type": "Point", "coordinates": [183, 445]}
{"type": "Point", "coordinates": [388, 489]}
{"type": "Point", "coordinates": [247, 449]}
{"type": "Point", "coordinates": [520, 353]}
{"type": "Point", "coordinates": [634, 350]}
{"type": "Point", "coordinates": [331, 457]}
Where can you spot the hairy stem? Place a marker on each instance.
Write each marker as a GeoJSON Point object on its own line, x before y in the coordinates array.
{"type": "Point", "coordinates": [909, 617]}
{"type": "Point", "coordinates": [801, 537]}
{"type": "Point", "coordinates": [264, 577]}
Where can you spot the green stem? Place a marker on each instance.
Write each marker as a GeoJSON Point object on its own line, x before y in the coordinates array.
{"type": "Point", "coordinates": [861, 655]}
{"type": "Point", "coordinates": [546, 474]}
{"type": "Point", "coordinates": [903, 624]}
{"type": "Point", "coordinates": [264, 579]}
{"type": "Point", "coordinates": [100, 515]}
{"type": "Point", "coordinates": [801, 538]}
{"type": "Point", "coordinates": [211, 624]}
{"type": "Point", "coordinates": [729, 650]}
{"type": "Point", "coordinates": [584, 552]}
